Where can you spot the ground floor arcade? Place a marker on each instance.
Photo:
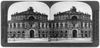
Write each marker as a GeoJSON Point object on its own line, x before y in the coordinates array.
{"type": "Point", "coordinates": [75, 33]}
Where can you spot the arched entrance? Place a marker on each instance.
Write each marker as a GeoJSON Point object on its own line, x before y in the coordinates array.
{"type": "Point", "coordinates": [31, 18]}
{"type": "Point", "coordinates": [74, 18]}
{"type": "Point", "coordinates": [31, 33]}
{"type": "Point", "coordinates": [74, 33]}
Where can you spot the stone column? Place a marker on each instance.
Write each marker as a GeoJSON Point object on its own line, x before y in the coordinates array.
{"type": "Point", "coordinates": [87, 25]}
{"type": "Point", "coordinates": [69, 33]}
{"type": "Point", "coordinates": [9, 25]}
{"type": "Point", "coordinates": [59, 24]}
{"type": "Point", "coordinates": [21, 25]}
{"type": "Point", "coordinates": [44, 25]}
{"type": "Point", "coordinates": [40, 25]}
{"type": "Point", "coordinates": [90, 25]}
{"type": "Point", "coordinates": [16, 25]}
{"type": "Point", "coordinates": [84, 34]}
{"type": "Point", "coordinates": [83, 25]}
{"type": "Point", "coordinates": [78, 34]}
{"type": "Point", "coordinates": [47, 25]}
{"type": "Point", "coordinates": [88, 34]}
{"type": "Point", "coordinates": [55, 24]}
{"type": "Point", "coordinates": [12, 25]}
{"type": "Point", "coordinates": [63, 24]}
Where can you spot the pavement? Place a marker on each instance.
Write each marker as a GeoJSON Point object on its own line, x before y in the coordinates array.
{"type": "Point", "coordinates": [52, 40]}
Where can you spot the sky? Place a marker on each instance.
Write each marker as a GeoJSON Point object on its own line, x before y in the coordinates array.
{"type": "Point", "coordinates": [43, 8]}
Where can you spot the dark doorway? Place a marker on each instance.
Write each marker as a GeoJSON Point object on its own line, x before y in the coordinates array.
{"type": "Point", "coordinates": [31, 34]}
{"type": "Point", "coordinates": [55, 35]}
{"type": "Point", "coordinates": [74, 18]}
{"type": "Point", "coordinates": [74, 33]}
{"type": "Point", "coordinates": [31, 18]}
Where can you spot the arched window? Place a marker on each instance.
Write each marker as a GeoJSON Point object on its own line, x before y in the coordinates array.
{"type": "Point", "coordinates": [10, 32]}
{"type": "Point", "coordinates": [89, 34]}
{"type": "Point", "coordinates": [13, 35]}
{"type": "Point", "coordinates": [74, 18]}
{"type": "Point", "coordinates": [74, 33]}
{"type": "Point", "coordinates": [82, 34]}
{"type": "Point", "coordinates": [43, 35]}
{"type": "Point", "coordinates": [53, 32]}
{"type": "Point", "coordinates": [38, 31]}
{"type": "Point", "coordinates": [18, 34]}
{"type": "Point", "coordinates": [23, 32]}
{"type": "Point", "coordinates": [43, 32]}
{"type": "Point", "coordinates": [31, 18]}
{"type": "Point", "coordinates": [65, 34]}
{"type": "Point", "coordinates": [65, 31]}
{"type": "Point", "coordinates": [61, 32]}
{"type": "Point", "coordinates": [18, 31]}
{"type": "Point", "coordinates": [46, 33]}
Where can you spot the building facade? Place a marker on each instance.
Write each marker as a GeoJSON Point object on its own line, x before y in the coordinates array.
{"type": "Point", "coordinates": [68, 24]}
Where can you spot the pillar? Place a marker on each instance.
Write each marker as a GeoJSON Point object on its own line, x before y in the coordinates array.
{"type": "Point", "coordinates": [44, 25]}
{"type": "Point", "coordinates": [63, 24]}
{"type": "Point", "coordinates": [55, 24]}
{"type": "Point", "coordinates": [47, 25]}
{"type": "Point", "coordinates": [40, 25]}
{"type": "Point", "coordinates": [59, 24]}
{"type": "Point", "coordinates": [83, 25]}
{"type": "Point", "coordinates": [16, 25]}
{"type": "Point", "coordinates": [69, 33]}
{"type": "Point", "coordinates": [8, 25]}
{"type": "Point", "coordinates": [21, 25]}
{"type": "Point", "coordinates": [90, 25]}
{"type": "Point", "coordinates": [84, 34]}
{"type": "Point", "coordinates": [87, 25]}
{"type": "Point", "coordinates": [12, 25]}
{"type": "Point", "coordinates": [78, 33]}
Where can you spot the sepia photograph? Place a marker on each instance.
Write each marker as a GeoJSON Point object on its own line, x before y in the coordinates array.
{"type": "Point", "coordinates": [36, 22]}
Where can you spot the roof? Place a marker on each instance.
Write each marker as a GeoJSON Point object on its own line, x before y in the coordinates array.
{"type": "Point", "coordinates": [29, 11]}
{"type": "Point", "coordinates": [72, 11]}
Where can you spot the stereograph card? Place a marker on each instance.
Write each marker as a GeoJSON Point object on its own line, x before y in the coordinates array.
{"type": "Point", "coordinates": [50, 23]}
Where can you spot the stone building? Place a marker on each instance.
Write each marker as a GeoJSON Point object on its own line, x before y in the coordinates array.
{"type": "Point", "coordinates": [68, 24]}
